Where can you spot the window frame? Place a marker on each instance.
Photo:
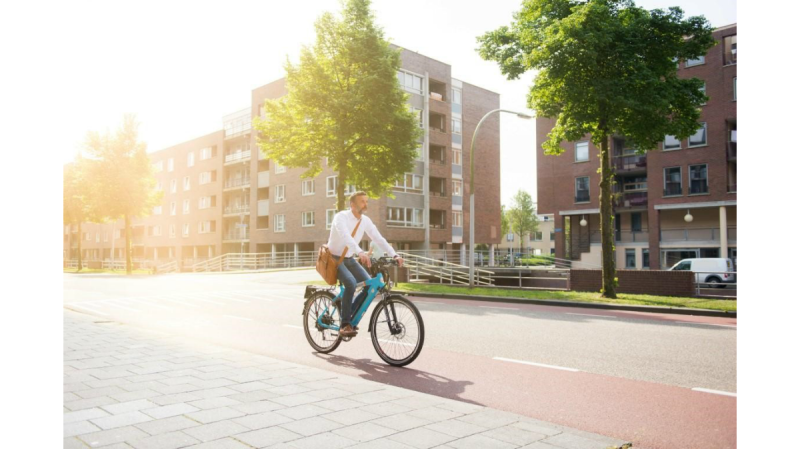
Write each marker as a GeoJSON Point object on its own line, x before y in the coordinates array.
{"type": "Point", "coordinates": [304, 190]}
{"type": "Point", "coordinates": [588, 189]}
{"type": "Point", "coordinates": [630, 252]}
{"type": "Point", "coordinates": [585, 142]}
{"type": "Point", "coordinates": [307, 224]}
{"type": "Point", "coordinates": [329, 218]}
{"type": "Point", "coordinates": [707, 184]}
{"type": "Point", "coordinates": [279, 218]}
{"type": "Point", "coordinates": [664, 143]}
{"type": "Point", "coordinates": [705, 134]}
{"type": "Point", "coordinates": [688, 63]}
{"type": "Point", "coordinates": [680, 180]}
{"type": "Point", "coordinates": [280, 193]}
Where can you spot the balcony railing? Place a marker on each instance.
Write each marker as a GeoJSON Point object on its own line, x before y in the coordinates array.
{"type": "Point", "coordinates": [237, 210]}
{"type": "Point", "coordinates": [731, 151]}
{"type": "Point", "coordinates": [626, 236]}
{"type": "Point", "coordinates": [695, 235]}
{"type": "Point", "coordinates": [438, 226]}
{"type": "Point", "coordinates": [438, 161]}
{"type": "Point", "coordinates": [582, 197]}
{"type": "Point", "coordinates": [630, 163]}
{"type": "Point", "coordinates": [631, 199]}
{"type": "Point", "coordinates": [236, 182]}
{"type": "Point", "coordinates": [438, 193]}
{"type": "Point", "coordinates": [238, 156]}
{"type": "Point", "coordinates": [673, 190]}
{"type": "Point", "coordinates": [236, 235]}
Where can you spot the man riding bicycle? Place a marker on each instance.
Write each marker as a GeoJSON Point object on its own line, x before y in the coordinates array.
{"type": "Point", "coordinates": [347, 230]}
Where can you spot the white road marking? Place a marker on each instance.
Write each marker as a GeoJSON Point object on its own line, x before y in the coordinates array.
{"type": "Point", "coordinates": [238, 317]}
{"type": "Point", "coordinates": [396, 343]}
{"type": "Point", "coordinates": [501, 308]}
{"type": "Point", "coordinates": [502, 359]}
{"type": "Point", "coordinates": [706, 390]}
{"type": "Point", "coordinates": [705, 324]}
{"type": "Point", "coordinates": [589, 314]}
{"type": "Point", "coordinates": [293, 326]}
{"type": "Point", "coordinates": [87, 308]}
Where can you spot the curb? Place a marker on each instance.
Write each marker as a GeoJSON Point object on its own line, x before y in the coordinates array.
{"type": "Point", "coordinates": [585, 305]}
{"type": "Point", "coordinates": [271, 270]}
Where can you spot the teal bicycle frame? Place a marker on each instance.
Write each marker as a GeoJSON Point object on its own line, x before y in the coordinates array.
{"type": "Point", "coordinates": [374, 287]}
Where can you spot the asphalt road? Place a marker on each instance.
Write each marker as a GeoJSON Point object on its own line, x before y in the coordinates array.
{"type": "Point", "coordinates": [657, 380]}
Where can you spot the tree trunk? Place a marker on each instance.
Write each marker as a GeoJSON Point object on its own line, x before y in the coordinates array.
{"type": "Point", "coordinates": [80, 256]}
{"type": "Point", "coordinates": [609, 289]}
{"type": "Point", "coordinates": [128, 261]}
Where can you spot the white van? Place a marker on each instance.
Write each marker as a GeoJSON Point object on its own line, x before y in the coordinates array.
{"type": "Point", "coordinates": [714, 272]}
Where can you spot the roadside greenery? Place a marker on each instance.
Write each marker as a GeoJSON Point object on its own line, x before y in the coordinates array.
{"type": "Point", "coordinates": [591, 297]}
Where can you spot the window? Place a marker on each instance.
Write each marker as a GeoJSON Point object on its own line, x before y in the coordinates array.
{"type": "Point", "coordinates": [170, 164]}
{"type": "Point", "coordinates": [279, 168]}
{"type": "Point", "coordinates": [409, 82]}
{"type": "Point", "coordinates": [173, 208]}
{"type": "Point", "coordinates": [418, 114]}
{"type": "Point", "coordinates": [157, 231]}
{"type": "Point", "coordinates": [158, 166]}
{"type": "Point", "coordinates": [510, 237]}
{"type": "Point", "coordinates": [190, 159]}
{"type": "Point", "coordinates": [117, 234]}
{"type": "Point", "coordinates": [636, 222]}
{"type": "Point", "coordinates": [205, 227]}
{"type": "Point", "coordinates": [280, 223]}
{"type": "Point", "coordinates": [456, 156]}
{"type": "Point", "coordinates": [280, 194]}
{"type": "Point", "coordinates": [204, 202]}
{"type": "Point", "coordinates": [671, 143]}
{"type": "Point", "coordinates": [186, 183]}
{"type": "Point", "coordinates": [729, 50]}
{"type": "Point", "coordinates": [157, 210]}
{"type": "Point", "coordinates": [329, 214]}
{"type": "Point", "coordinates": [205, 177]}
{"type": "Point", "coordinates": [330, 186]}
{"type": "Point", "coordinates": [683, 266]}
{"type": "Point", "coordinates": [645, 258]}
{"type": "Point", "coordinates": [536, 236]}
{"type": "Point", "coordinates": [457, 187]}
{"type": "Point", "coordinates": [698, 179]}
{"type": "Point", "coordinates": [185, 207]}
{"type": "Point", "coordinates": [159, 186]}
{"type": "Point", "coordinates": [410, 183]}
{"type": "Point", "coordinates": [699, 139]}
{"type": "Point", "coordinates": [172, 231]}
{"type": "Point", "coordinates": [672, 181]}
{"type": "Point", "coordinates": [552, 236]}
{"type": "Point", "coordinates": [105, 236]}
{"type": "Point", "coordinates": [205, 153]}
{"type": "Point", "coordinates": [404, 217]}
{"type": "Point", "coordinates": [734, 88]}
{"type": "Point", "coordinates": [420, 156]}
{"type": "Point", "coordinates": [581, 151]}
{"type": "Point", "coordinates": [97, 237]}
{"type": "Point", "coordinates": [308, 219]}
{"type": "Point", "coordinates": [703, 90]}
{"type": "Point", "coordinates": [456, 124]}
{"type": "Point", "coordinates": [582, 189]}
{"type": "Point", "coordinates": [186, 229]}
{"type": "Point", "coordinates": [458, 219]}
{"type": "Point", "coordinates": [630, 258]}
{"type": "Point", "coordinates": [693, 62]}
{"type": "Point", "coordinates": [308, 187]}
{"type": "Point", "coordinates": [456, 97]}
{"type": "Point", "coordinates": [173, 186]}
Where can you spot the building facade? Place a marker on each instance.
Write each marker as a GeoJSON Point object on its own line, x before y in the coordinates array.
{"type": "Point", "coordinates": [540, 243]}
{"type": "Point", "coordinates": [677, 201]}
{"type": "Point", "coordinates": [222, 196]}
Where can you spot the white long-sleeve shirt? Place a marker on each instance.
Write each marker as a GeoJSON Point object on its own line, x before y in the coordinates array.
{"type": "Point", "coordinates": [340, 241]}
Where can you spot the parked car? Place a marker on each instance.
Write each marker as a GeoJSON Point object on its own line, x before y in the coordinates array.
{"type": "Point", "coordinates": [712, 271]}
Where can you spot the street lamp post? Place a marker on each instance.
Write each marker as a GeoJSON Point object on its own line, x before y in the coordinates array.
{"type": "Point", "coordinates": [472, 190]}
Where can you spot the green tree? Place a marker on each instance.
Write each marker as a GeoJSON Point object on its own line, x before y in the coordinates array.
{"type": "Point", "coordinates": [77, 207]}
{"type": "Point", "coordinates": [522, 216]}
{"type": "Point", "coordinates": [605, 67]}
{"type": "Point", "coordinates": [122, 177]}
{"type": "Point", "coordinates": [344, 103]}
{"type": "Point", "coordinates": [504, 225]}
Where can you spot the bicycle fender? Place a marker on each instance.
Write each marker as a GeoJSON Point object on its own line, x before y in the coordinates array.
{"type": "Point", "coordinates": [375, 310]}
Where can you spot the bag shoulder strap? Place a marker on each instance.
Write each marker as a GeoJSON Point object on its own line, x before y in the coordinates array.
{"type": "Point", "coordinates": [341, 258]}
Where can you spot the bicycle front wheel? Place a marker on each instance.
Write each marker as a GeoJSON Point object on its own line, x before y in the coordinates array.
{"type": "Point", "coordinates": [319, 308]}
{"type": "Point", "coordinates": [397, 331]}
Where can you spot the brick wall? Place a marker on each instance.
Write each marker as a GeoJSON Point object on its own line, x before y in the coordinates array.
{"type": "Point", "coordinates": [650, 282]}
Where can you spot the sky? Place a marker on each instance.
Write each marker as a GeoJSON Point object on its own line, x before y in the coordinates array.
{"type": "Point", "coordinates": [181, 66]}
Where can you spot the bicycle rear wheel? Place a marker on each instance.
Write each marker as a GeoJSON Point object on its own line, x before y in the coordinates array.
{"type": "Point", "coordinates": [321, 339]}
{"type": "Point", "coordinates": [397, 331]}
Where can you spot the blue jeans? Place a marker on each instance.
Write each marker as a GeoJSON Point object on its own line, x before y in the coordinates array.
{"type": "Point", "coordinates": [350, 273]}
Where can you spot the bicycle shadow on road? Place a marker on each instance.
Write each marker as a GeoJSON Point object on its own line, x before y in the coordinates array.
{"type": "Point", "coordinates": [407, 378]}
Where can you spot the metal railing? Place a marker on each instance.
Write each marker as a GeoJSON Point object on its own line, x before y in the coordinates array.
{"type": "Point", "coordinates": [693, 235]}
{"type": "Point", "coordinates": [711, 283]}
{"type": "Point", "coordinates": [241, 155]}
{"type": "Point", "coordinates": [627, 236]}
{"type": "Point", "coordinates": [237, 210]}
{"type": "Point", "coordinates": [420, 267]}
{"type": "Point", "coordinates": [236, 182]}
{"type": "Point", "coordinates": [257, 261]}
{"type": "Point", "coordinates": [236, 235]}
{"type": "Point", "coordinates": [631, 199]}
{"type": "Point", "coordinates": [629, 163]}
{"type": "Point", "coordinates": [169, 267]}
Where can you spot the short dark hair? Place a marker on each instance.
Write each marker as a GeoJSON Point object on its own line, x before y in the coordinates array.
{"type": "Point", "coordinates": [356, 195]}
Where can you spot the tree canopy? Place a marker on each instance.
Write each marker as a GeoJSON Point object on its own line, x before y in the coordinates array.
{"type": "Point", "coordinates": [344, 103]}
{"type": "Point", "coordinates": [522, 215]}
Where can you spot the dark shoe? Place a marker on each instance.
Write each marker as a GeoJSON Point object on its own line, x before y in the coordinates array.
{"type": "Point", "coordinates": [347, 331]}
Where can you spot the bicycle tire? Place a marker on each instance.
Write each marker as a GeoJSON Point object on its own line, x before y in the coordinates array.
{"type": "Point", "coordinates": [392, 352]}
{"type": "Point", "coordinates": [313, 308]}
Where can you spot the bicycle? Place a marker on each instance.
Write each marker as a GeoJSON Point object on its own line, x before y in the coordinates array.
{"type": "Point", "coordinates": [396, 326]}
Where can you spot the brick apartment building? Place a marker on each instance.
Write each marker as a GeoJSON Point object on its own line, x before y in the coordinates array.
{"type": "Point", "coordinates": [655, 191]}
{"type": "Point", "coordinates": [221, 195]}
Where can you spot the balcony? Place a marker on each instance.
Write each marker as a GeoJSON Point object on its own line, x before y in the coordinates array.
{"type": "Point", "coordinates": [236, 210]}
{"type": "Point", "coordinates": [627, 236]}
{"type": "Point", "coordinates": [631, 199]}
{"type": "Point", "coordinates": [236, 183]}
{"type": "Point", "coordinates": [731, 151]}
{"type": "Point", "coordinates": [631, 164]}
{"type": "Point", "coordinates": [695, 235]}
{"type": "Point", "coordinates": [239, 156]}
{"type": "Point", "coordinates": [236, 236]}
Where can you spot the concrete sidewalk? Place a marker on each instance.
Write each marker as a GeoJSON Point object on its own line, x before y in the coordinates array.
{"type": "Point", "coordinates": [125, 387]}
